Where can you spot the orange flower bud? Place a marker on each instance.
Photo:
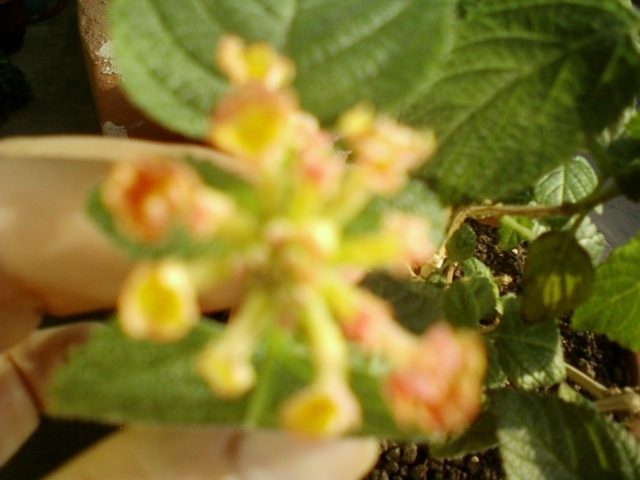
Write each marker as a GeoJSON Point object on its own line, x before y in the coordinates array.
{"type": "Point", "coordinates": [253, 123]}
{"type": "Point", "coordinates": [327, 408]}
{"type": "Point", "coordinates": [158, 302]}
{"type": "Point", "coordinates": [147, 196]}
{"type": "Point", "coordinates": [437, 386]}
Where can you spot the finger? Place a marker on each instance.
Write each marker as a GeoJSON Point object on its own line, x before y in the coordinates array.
{"type": "Point", "coordinates": [110, 149]}
{"type": "Point", "coordinates": [217, 454]}
{"type": "Point", "coordinates": [25, 372]}
{"type": "Point", "coordinates": [19, 312]}
{"type": "Point", "coordinates": [48, 244]}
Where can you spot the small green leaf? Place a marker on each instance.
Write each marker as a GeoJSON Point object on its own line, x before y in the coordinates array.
{"type": "Point", "coordinates": [345, 52]}
{"type": "Point", "coordinates": [567, 183]}
{"type": "Point", "coordinates": [475, 268]}
{"type": "Point", "coordinates": [416, 304]}
{"type": "Point", "coordinates": [530, 355]}
{"type": "Point", "coordinates": [557, 277]}
{"type": "Point", "coordinates": [462, 244]}
{"type": "Point", "coordinates": [591, 240]}
{"type": "Point", "coordinates": [544, 438]}
{"type": "Point", "coordinates": [525, 82]}
{"type": "Point", "coordinates": [118, 380]}
{"type": "Point", "coordinates": [469, 300]}
{"type": "Point", "coordinates": [613, 309]}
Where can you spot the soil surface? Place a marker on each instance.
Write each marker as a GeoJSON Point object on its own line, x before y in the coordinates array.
{"type": "Point", "coordinates": [594, 354]}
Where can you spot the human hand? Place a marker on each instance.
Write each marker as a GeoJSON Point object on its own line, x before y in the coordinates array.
{"type": "Point", "coordinates": [53, 260]}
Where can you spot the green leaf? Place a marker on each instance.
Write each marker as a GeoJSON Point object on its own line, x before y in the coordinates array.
{"type": "Point", "coordinates": [525, 81]}
{"type": "Point", "coordinates": [345, 52]}
{"type": "Point", "coordinates": [118, 380]}
{"type": "Point", "coordinates": [544, 438]}
{"type": "Point", "coordinates": [613, 309]}
{"type": "Point", "coordinates": [462, 244]}
{"type": "Point", "coordinates": [591, 240]}
{"type": "Point", "coordinates": [530, 355]}
{"type": "Point", "coordinates": [416, 304]}
{"type": "Point", "coordinates": [567, 183]}
{"type": "Point", "coordinates": [469, 300]}
{"type": "Point", "coordinates": [557, 277]}
{"type": "Point", "coordinates": [414, 198]}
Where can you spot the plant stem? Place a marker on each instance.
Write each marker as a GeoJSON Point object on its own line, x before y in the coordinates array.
{"type": "Point", "coordinates": [606, 399]}
{"type": "Point", "coordinates": [595, 389]}
{"type": "Point", "coordinates": [521, 229]}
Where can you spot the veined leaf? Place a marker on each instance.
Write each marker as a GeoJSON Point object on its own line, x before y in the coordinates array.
{"type": "Point", "coordinates": [462, 244]}
{"type": "Point", "coordinates": [115, 379]}
{"type": "Point", "coordinates": [543, 437]}
{"type": "Point", "coordinates": [345, 52]}
{"type": "Point", "coordinates": [530, 355]}
{"type": "Point", "coordinates": [526, 80]}
{"type": "Point", "coordinates": [557, 277]}
{"type": "Point", "coordinates": [416, 304]}
{"type": "Point", "coordinates": [613, 308]}
{"type": "Point", "coordinates": [469, 300]}
{"type": "Point", "coordinates": [567, 183]}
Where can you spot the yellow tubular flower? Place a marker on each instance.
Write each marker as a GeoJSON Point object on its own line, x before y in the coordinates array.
{"type": "Point", "coordinates": [258, 62]}
{"type": "Point", "coordinates": [254, 124]}
{"type": "Point", "coordinates": [158, 302]}
{"type": "Point", "coordinates": [226, 364]}
{"type": "Point", "coordinates": [326, 408]}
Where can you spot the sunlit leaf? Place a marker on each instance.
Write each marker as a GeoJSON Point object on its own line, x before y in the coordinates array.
{"type": "Point", "coordinates": [526, 80]}
{"type": "Point", "coordinates": [345, 52]}
{"type": "Point", "coordinates": [557, 277]}
{"type": "Point", "coordinates": [614, 309]}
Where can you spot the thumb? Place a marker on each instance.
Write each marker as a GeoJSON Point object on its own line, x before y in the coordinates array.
{"type": "Point", "coordinates": [219, 454]}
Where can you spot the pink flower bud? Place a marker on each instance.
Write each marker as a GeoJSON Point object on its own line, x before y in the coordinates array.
{"type": "Point", "coordinates": [158, 302]}
{"type": "Point", "coordinates": [148, 196]}
{"type": "Point", "coordinates": [437, 386]}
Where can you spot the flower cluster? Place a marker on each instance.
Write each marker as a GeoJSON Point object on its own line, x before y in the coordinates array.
{"type": "Point", "coordinates": [293, 254]}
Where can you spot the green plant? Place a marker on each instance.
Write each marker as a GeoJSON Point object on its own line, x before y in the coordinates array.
{"type": "Point", "coordinates": [515, 91]}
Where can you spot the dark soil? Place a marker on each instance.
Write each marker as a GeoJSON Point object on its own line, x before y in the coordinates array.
{"type": "Point", "coordinates": [594, 354]}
